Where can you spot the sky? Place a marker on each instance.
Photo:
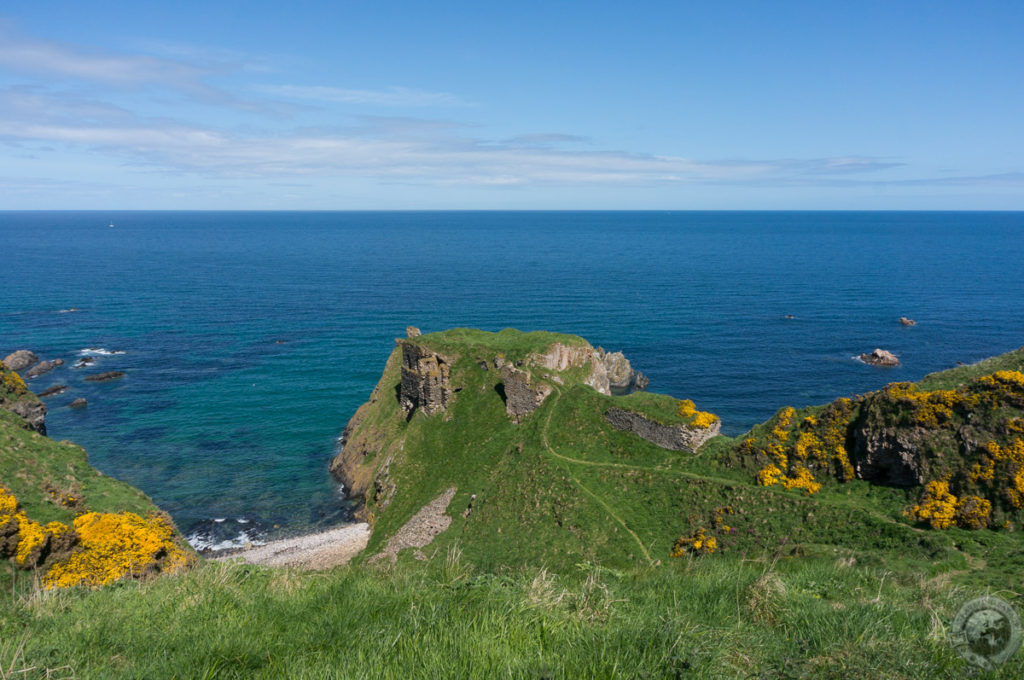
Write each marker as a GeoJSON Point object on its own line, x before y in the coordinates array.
{"type": "Point", "coordinates": [387, 105]}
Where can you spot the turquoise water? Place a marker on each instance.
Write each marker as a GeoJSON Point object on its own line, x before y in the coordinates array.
{"type": "Point", "coordinates": [249, 339]}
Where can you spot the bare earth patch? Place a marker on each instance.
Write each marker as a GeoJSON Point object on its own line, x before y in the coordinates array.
{"type": "Point", "coordinates": [312, 551]}
{"type": "Point", "coordinates": [420, 530]}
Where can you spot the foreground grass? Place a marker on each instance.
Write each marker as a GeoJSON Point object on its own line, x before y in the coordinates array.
{"type": "Point", "coordinates": [710, 617]}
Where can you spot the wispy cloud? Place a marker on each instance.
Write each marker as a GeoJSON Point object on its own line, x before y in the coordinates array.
{"type": "Point", "coordinates": [390, 149]}
{"type": "Point", "coordinates": [398, 97]}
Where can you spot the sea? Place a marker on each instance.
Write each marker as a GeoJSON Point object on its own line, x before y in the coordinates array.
{"type": "Point", "coordinates": [248, 339]}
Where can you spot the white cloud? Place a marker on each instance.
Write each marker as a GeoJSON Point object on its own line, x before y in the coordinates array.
{"type": "Point", "coordinates": [398, 97]}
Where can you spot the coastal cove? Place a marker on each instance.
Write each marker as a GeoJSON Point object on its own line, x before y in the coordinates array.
{"type": "Point", "coordinates": [247, 340]}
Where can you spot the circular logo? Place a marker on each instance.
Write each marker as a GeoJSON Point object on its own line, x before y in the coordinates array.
{"type": "Point", "coordinates": [986, 632]}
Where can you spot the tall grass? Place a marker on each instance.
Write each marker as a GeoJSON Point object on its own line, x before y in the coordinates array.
{"type": "Point", "coordinates": [699, 618]}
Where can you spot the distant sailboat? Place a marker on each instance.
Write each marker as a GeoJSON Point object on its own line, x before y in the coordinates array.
{"type": "Point", "coordinates": [111, 225]}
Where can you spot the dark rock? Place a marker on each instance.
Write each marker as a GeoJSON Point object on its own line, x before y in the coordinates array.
{"type": "Point", "coordinates": [672, 437]}
{"type": "Point", "coordinates": [907, 322]}
{"type": "Point", "coordinates": [105, 376]}
{"type": "Point", "coordinates": [34, 413]}
{"type": "Point", "coordinates": [20, 360]}
{"type": "Point", "coordinates": [522, 395]}
{"type": "Point", "coordinates": [52, 391]}
{"type": "Point", "coordinates": [890, 455]}
{"type": "Point", "coordinates": [84, 361]}
{"type": "Point", "coordinates": [425, 380]}
{"type": "Point", "coordinates": [78, 403]}
{"type": "Point", "coordinates": [43, 367]}
{"type": "Point", "coordinates": [880, 357]}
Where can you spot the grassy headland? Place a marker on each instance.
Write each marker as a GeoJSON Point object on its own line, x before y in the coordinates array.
{"type": "Point", "coordinates": [558, 558]}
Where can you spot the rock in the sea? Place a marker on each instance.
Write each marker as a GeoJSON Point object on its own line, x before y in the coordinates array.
{"type": "Point", "coordinates": [907, 322]}
{"type": "Point", "coordinates": [880, 357]}
{"type": "Point", "coordinates": [412, 332]}
{"type": "Point", "coordinates": [105, 376]}
{"type": "Point", "coordinates": [641, 382]}
{"type": "Point", "coordinates": [79, 403]}
{"type": "Point", "coordinates": [523, 395]}
{"type": "Point", "coordinates": [20, 360]}
{"type": "Point", "coordinates": [34, 413]}
{"type": "Point", "coordinates": [84, 361]}
{"type": "Point", "coordinates": [43, 367]}
{"type": "Point", "coordinates": [52, 391]}
{"type": "Point", "coordinates": [673, 437]}
{"type": "Point", "coordinates": [425, 381]}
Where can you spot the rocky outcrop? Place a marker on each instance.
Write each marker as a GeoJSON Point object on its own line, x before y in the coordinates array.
{"type": "Point", "coordinates": [105, 376]}
{"type": "Point", "coordinates": [79, 403]}
{"type": "Point", "coordinates": [43, 367]}
{"type": "Point", "coordinates": [890, 455]}
{"type": "Point", "coordinates": [672, 437]}
{"type": "Point", "coordinates": [412, 332]}
{"type": "Point", "coordinates": [523, 395]}
{"type": "Point", "coordinates": [559, 357]}
{"type": "Point", "coordinates": [907, 322]}
{"type": "Point", "coordinates": [52, 391]}
{"type": "Point", "coordinates": [880, 357]}
{"type": "Point", "coordinates": [20, 360]}
{"type": "Point", "coordinates": [34, 413]}
{"type": "Point", "coordinates": [426, 383]}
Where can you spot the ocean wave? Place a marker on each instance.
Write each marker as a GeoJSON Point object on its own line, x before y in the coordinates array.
{"type": "Point", "coordinates": [222, 533]}
{"type": "Point", "coordinates": [99, 352]}
{"type": "Point", "coordinates": [68, 310]}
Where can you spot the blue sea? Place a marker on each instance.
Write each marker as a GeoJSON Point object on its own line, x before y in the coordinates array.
{"type": "Point", "coordinates": [248, 339]}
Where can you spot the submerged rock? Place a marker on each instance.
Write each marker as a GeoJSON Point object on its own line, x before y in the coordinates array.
{"type": "Point", "coordinates": [78, 403]}
{"type": "Point", "coordinates": [52, 391]}
{"type": "Point", "coordinates": [105, 376]}
{"type": "Point", "coordinates": [20, 360]}
{"type": "Point", "coordinates": [880, 357]}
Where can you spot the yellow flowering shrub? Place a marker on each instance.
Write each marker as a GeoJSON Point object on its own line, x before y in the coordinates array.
{"type": "Point", "coordinates": [770, 475]}
{"type": "Point", "coordinates": [781, 430]}
{"type": "Point", "coordinates": [110, 546]}
{"type": "Point", "coordinates": [32, 536]}
{"type": "Point", "coordinates": [973, 512]}
{"type": "Point", "coordinates": [11, 381]}
{"type": "Point", "coordinates": [114, 546]}
{"type": "Point", "coordinates": [802, 479]}
{"type": "Point", "coordinates": [701, 419]}
{"type": "Point", "coordinates": [698, 543]}
{"type": "Point", "coordinates": [937, 506]}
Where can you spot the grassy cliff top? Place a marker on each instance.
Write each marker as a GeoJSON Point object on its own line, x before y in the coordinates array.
{"type": "Point", "coordinates": [512, 344]}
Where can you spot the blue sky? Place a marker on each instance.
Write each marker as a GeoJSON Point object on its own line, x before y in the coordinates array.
{"type": "Point", "coordinates": [526, 105]}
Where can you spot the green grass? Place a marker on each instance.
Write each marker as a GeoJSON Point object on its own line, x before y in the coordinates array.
{"type": "Point", "coordinates": [40, 471]}
{"type": "Point", "coordinates": [767, 616]}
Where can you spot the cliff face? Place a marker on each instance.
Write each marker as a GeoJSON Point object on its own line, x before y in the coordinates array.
{"type": "Point", "coordinates": [16, 397]}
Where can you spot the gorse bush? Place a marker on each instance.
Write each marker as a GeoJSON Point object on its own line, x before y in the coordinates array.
{"type": "Point", "coordinates": [99, 548]}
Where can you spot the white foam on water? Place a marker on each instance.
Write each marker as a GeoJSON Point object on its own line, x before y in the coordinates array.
{"type": "Point", "coordinates": [98, 352]}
